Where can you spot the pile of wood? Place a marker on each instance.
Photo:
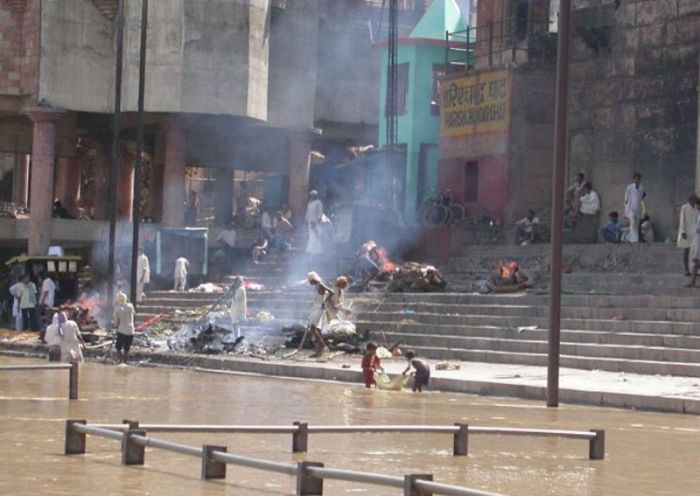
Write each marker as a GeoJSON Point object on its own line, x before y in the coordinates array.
{"type": "Point", "coordinates": [413, 277]}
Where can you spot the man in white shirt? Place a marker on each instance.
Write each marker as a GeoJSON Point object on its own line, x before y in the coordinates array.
{"type": "Point", "coordinates": [228, 238]}
{"type": "Point", "coordinates": [634, 195]}
{"type": "Point", "coordinates": [267, 223]}
{"type": "Point", "coordinates": [143, 275]}
{"type": "Point", "coordinates": [314, 216]}
{"type": "Point", "coordinates": [16, 292]}
{"type": "Point", "coordinates": [48, 292]}
{"type": "Point", "coordinates": [180, 273]}
{"type": "Point", "coordinates": [527, 228]}
{"type": "Point", "coordinates": [590, 203]}
{"type": "Point", "coordinates": [686, 229]}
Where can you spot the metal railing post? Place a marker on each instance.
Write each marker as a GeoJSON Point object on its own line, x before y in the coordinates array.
{"type": "Point", "coordinates": [460, 443]}
{"type": "Point", "coordinates": [307, 484]}
{"type": "Point", "coordinates": [133, 424]}
{"type": "Point", "coordinates": [75, 441]}
{"type": "Point", "coordinates": [212, 469]}
{"type": "Point", "coordinates": [132, 453]}
{"type": "Point", "coordinates": [447, 49]}
{"type": "Point", "coordinates": [300, 439]}
{"type": "Point", "coordinates": [73, 382]}
{"type": "Point", "coordinates": [409, 485]}
{"type": "Point", "coordinates": [466, 60]}
{"type": "Point", "coordinates": [596, 447]}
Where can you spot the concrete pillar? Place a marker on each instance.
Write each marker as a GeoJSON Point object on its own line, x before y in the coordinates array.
{"type": "Point", "coordinates": [125, 185]}
{"type": "Point", "coordinates": [155, 191]}
{"type": "Point", "coordinates": [41, 189]}
{"type": "Point", "coordinates": [101, 176]}
{"type": "Point", "coordinates": [20, 193]}
{"type": "Point", "coordinates": [223, 196]}
{"type": "Point", "coordinates": [299, 147]}
{"type": "Point", "coordinates": [174, 195]}
{"type": "Point", "coordinates": [67, 186]}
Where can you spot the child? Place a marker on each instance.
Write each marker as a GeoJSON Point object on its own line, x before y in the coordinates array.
{"type": "Point", "coordinates": [422, 374]}
{"type": "Point", "coordinates": [370, 363]}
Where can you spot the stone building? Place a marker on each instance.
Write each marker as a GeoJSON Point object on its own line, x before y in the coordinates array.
{"type": "Point", "coordinates": [231, 86]}
{"type": "Point", "coordinates": [633, 106]}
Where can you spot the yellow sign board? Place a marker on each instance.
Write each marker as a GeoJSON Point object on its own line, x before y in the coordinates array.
{"type": "Point", "coordinates": [475, 104]}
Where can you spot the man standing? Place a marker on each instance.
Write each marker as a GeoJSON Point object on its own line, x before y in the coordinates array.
{"type": "Point", "coordinates": [180, 273]}
{"type": "Point", "coordinates": [686, 229]}
{"type": "Point", "coordinates": [634, 195]}
{"type": "Point", "coordinates": [143, 275]}
{"type": "Point", "coordinates": [27, 302]}
{"type": "Point", "coordinates": [239, 304]}
{"type": "Point", "coordinates": [48, 292]}
{"type": "Point", "coordinates": [16, 292]}
{"type": "Point", "coordinates": [228, 238]}
{"type": "Point", "coordinates": [695, 249]}
{"type": "Point", "coordinates": [314, 216]}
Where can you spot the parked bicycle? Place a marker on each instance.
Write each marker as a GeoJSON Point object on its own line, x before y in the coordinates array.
{"type": "Point", "coordinates": [440, 209]}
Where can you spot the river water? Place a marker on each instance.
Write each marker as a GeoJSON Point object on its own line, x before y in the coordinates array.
{"type": "Point", "coordinates": [646, 453]}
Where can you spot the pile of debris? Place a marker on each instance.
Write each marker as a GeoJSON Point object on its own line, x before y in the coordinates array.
{"type": "Point", "coordinates": [337, 337]}
{"type": "Point", "coordinates": [413, 277]}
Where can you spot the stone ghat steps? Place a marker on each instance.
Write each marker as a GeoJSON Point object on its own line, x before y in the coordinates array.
{"type": "Point", "coordinates": [473, 343]}
{"type": "Point", "coordinates": [567, 335]}
{"type": "Point", "coordinates": [690, 299]}
{"type": "Point", "coordinates": [571, 361]}
{"type": "Point", "coordinates": [157, 305]}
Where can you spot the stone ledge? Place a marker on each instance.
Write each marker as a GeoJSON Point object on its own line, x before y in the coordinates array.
{"type": "Point", "coordinates": [330, 372]}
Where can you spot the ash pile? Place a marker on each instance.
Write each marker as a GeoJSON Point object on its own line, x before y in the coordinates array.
{"type": "Point", "coordinates": [214, 334]}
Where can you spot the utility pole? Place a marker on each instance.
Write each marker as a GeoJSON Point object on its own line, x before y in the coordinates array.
{"type": "Point", "coordinates": [560, 139]}
{"type": "Point", "coordinates": [392, 88]}
{"type": "Point", "coordinates": [138, 166]}
{"type": "Point", "coordinates": [114, 172]}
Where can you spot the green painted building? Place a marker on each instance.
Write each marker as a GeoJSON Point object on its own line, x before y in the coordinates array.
{"type": "Point", "coordinates": [420, 59]}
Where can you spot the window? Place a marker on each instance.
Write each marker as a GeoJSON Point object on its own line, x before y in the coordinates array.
{"type": "Point", "coordinates": [401, 91]}
{"type": "Point", "coordinates": [521, 19]}
{"type": "Point", "coordinates": [471, 182]}
{"type": "Point", "coordinates": [438, 73]}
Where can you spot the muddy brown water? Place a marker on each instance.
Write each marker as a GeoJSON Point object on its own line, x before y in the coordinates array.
{"type": "Point", "coordinates": [646, 453]}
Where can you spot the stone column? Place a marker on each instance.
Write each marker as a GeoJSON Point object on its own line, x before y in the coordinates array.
{"type": "Point", "coordinates": [155, 192]}
{"type": "Point", "coordinates": [223, 197]}
{"type": "Point", "coordinates": [174, 195]}
{"type": "Point", "coordinates": [43, 156]}
{"type": "Point", "coordinates": [125, 185]}
{"type": "Point", "coordinates": [20, 194]}
{"type": "Point", "coordinates": [299, 148]}
{"type": "Point", "coordinates": [101, 177]}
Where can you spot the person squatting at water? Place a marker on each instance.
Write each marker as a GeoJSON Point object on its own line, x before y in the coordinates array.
{"type": "Point", "coordinates": [370, 364]}
{"type": "Point", "coordinates": [180, 273]}
{"type": "Point", "coordinates": [421, 377]}
{"type": "Point", "coordinates": [239, 304]}
{"type": "Point", "coordinates": [124, 324]}
{"type": "Point", "coordinates": [318, 314]}
{"type": "Point", "coordinates": [65, 334]}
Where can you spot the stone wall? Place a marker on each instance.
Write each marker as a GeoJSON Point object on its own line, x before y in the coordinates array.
{"type": "Point", "coordinates": [19, 47]}
{"type": "Point", "coordinates": [633, 102]}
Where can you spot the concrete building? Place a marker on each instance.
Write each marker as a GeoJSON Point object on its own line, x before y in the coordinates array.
{"type": "Point", "coordinates": [231, 86]}
{"type": "Point", "coordinates": [421, 62]}
{"type": "Point", "coordinates": [633, 106]}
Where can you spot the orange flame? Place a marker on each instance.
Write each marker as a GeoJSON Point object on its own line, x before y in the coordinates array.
{"type": "Point", "coordinates": [383, 260]}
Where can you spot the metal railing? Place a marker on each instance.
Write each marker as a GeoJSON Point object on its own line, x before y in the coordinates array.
{"type": "Point", "coordinates": [460, 433]}
{"type": "Point", "coordinates": [72, 373]}
{"type": "Point", "coordinates": [309, 475]}
{"type": "Point", "coordinates": [462, 48]}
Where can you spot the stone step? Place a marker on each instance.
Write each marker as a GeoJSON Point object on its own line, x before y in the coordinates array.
{"type": "Point", "coordinates": [626, 352]}
{"type": "Point", "coordinates": [686, 328]}
{"type": "Point", "coordinates": [540, 359]}
{"type": "Point", "coordinates": [567, 335]}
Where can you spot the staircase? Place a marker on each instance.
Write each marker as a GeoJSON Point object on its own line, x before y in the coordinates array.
{"type": "Point", "coordinates": [634, 317]}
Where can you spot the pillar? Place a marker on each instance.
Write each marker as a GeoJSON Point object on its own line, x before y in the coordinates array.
{"type": "Point", "coordinates": [20, 193]}
{"type": "Point", "coordinates": [101, 177]}
{"type": "Point", "coordinates": [155, 191]}
{"type": "Point", "coordinates": [223, 197]}
{"type": "Point", "coordinates": [174, 195]}
{"type": "Point", "coordinates": [125, 185]}
{"type": "Point", "coordinates": [67, 186]}
{"type": "Point", "coordinates": [42, 174]}
{"type": "Point", "coordinates": [299, 148]}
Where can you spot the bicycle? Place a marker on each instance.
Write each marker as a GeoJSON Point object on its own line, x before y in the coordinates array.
{"type": "Point", "coordinates": [441, 209]}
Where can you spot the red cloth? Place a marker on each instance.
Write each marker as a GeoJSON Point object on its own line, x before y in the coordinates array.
{"type": "Point", "coordinates": [370, 363]}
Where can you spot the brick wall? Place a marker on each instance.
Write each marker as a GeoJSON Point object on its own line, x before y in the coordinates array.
{"type": "Point", "coordinates": [633, 100]}
{"type": "Point", "coordinates": [19, 46]}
